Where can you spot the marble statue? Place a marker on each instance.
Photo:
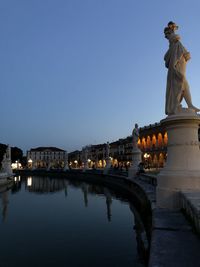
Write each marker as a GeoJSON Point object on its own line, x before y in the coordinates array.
{"type": "Point", "coordinates": [6, 162]}
{"type": "Point", "coordinates": [175, 61]}
{"type": "Point", "coordinates": [85, 158]}
{"type": "Point", "coordinates": [107, 150]}
{"type": "Point", "coordinates": [108, 159]}
{"type": "Point", "coordinates": [136, 153]}
{"type": "Point", "coordinates": [66, 165]}
{"type": "Point", "coordinates": [135, 135]}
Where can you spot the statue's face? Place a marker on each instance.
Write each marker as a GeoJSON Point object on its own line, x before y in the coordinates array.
{"type": "Point", "coordinates": [173, 27]}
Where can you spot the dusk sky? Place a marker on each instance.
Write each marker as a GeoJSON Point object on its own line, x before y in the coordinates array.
{"type": "Point", "coordinates": [79, 72]}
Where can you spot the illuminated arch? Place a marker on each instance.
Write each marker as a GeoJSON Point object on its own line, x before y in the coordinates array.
{"type": "Point", "coordinates": [148, 143]}
{"type": "Point", "coordinates": [143, 143]}
{"type": "Point", "coordinates": [165, 139]}
{"type": "Point", "coordinates": [161, 160]}
{"type": "Point", "coordinates": [139, 143]}
{"type": "Point", "coordinates": [154, 141]}
{"type": "Point", "coordinates": [155, 160]}
{"type": "Point", "coordinates": [160, 140]}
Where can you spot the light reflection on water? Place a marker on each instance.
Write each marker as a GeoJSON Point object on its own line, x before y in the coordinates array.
{"type": "Point", "coordinates": [59, 222]}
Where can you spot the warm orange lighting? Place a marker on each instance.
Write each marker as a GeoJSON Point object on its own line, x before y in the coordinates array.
{"type": "Point", "coordinates": [154, 140]}
{"type": "Point", "coordinates": [143, 143]}
{"type": "Point", "coordinates": [165, 139]}
{"type": "Point", "coordinates": [148, 141]}
{"type": "Point", "coordinates": [160, 140]}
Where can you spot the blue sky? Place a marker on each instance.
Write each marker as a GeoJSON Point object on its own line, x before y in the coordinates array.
{"type": "Point", "coordinates": [78, 72]}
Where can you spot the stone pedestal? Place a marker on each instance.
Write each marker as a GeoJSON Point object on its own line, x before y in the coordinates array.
{"type": "Point", "coordinates": [34, 166]}
{"type": "Point", "coordinates": [86, 167]}
{"type": "Point", "coordinates": [66, 167]}
{"type": "Point", "coordinates": [108, 165]}
{"type": "Point", "coordinates": [182, 169]}
{"type": "Point", "coordinates": [136, 159]}
{"type": "Point", "coordinates": [66, 164]}
{"type": "Point", "coordinates": [7, 168]}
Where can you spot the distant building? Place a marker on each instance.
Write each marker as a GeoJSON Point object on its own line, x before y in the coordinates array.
{"type": "Point", "coordinates": [41, 157]}
{"type": "Point", "coordinates": [153, 144]}
{"type": "Point", "coordinates": [75, 159]}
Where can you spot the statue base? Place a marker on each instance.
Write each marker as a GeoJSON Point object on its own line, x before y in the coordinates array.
{"type": "Point", "coordinates": [136, 159]}
{"type": "Point", "coordinates": [86, 167]}
{"type": "Point", "coordinates": [108, 166]}
{"type": "Point", "coordinates": [182, 169]}
{"type": "Point", "coordinates": [66, 168]}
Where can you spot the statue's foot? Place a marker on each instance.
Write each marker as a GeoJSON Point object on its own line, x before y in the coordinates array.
{"type": "Point", "coordinates": [195, 109]}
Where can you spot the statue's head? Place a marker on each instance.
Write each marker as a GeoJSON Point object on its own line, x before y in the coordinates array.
{"type": "Point", "coordinates": [136, 125]}
{"type": "Point", "coordinates": [172, 25]}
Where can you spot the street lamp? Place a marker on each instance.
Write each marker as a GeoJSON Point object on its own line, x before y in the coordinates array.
{"type": "Point", "coordinates": [76, 163]}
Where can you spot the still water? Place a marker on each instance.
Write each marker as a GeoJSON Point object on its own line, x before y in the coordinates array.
{"type": "Point", "coordinates": [58, 222]}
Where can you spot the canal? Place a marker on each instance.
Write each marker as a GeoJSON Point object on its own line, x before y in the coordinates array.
{"type": "Point", "coordinates": [59, 222]}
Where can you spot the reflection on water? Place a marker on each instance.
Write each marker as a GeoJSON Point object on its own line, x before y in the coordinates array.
{"type": "Point", "coordinates": [4, 201]}
{"type": "Point", "coordinates": [41, 213]}
{"type": "Point", "coordinates": [29, 181]}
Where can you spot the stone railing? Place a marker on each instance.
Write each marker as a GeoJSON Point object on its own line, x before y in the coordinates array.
{"type": "Point", "coordinates": [190, 204]}
{"type": "Point", "coordinates": [3, 175]}
{"type": "Point", "coordinates": [149, 178]}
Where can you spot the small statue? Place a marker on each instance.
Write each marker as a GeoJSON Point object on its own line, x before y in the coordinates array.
{"type": "Point", "coordinates": [175, 60]}
{"type": "Point", "coordinates": [66, 165]}
{"type": "Point", "coordinates": [6, 162]}
{"type": "Point", "coordinates": [107, 150]}
{"type": "Point", "coordinates": [136, 153]}
{"type": "Point", "coordinates": [85, 157]}
{"type": "Point", "coordinates": [135, 135]}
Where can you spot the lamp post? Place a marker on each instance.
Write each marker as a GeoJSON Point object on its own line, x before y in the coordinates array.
{"type": "Point", "coordinates": [76, 164]}
{"type": "Point", "coordinates": [108, 159]}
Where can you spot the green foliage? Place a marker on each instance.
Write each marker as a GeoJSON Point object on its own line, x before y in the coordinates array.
{"type": "Point", "coordinates": [16, 153]}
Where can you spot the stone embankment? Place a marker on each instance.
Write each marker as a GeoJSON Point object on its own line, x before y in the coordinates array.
{"type": "Point", "coordinates": [173, 240]}
{"type": "Point", "coordinates": [190, 205]}
{"type": "Point", "coordinates": [5, 179]}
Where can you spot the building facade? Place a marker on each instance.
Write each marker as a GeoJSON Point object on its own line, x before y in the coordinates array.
{"type": "Point", "coordinates": [152, 142]}
{"type": "Point", "coordinates": [42, 157]}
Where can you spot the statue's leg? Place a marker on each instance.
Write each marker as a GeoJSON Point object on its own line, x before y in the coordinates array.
{"type": "Point", "coordinates": [181, 97]}
{"type": "Point", "coordinates": [181, 66]}
{"type": "Point", "coordinates": [188, 99]}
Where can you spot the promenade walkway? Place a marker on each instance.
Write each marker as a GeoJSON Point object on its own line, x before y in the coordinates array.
{"type": "Point", "coordinates": [174, 241]}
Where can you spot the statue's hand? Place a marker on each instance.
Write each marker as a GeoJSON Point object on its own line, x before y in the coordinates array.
{"type": "Point", "coordinates": [174, 38]}
{"type": "Point", "coordinates": [177, 38]}
{"type": "Point", "coordinates": [187, 56]}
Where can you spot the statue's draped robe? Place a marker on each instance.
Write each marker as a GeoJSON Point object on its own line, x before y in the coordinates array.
{"type": "Point", "coordinates": [135, 135]}
{"type": "Point", "coordinates": [175, 61]}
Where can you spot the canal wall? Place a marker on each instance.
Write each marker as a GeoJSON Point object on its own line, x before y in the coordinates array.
{"type": "Point", "coordinates": [117, 182]}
